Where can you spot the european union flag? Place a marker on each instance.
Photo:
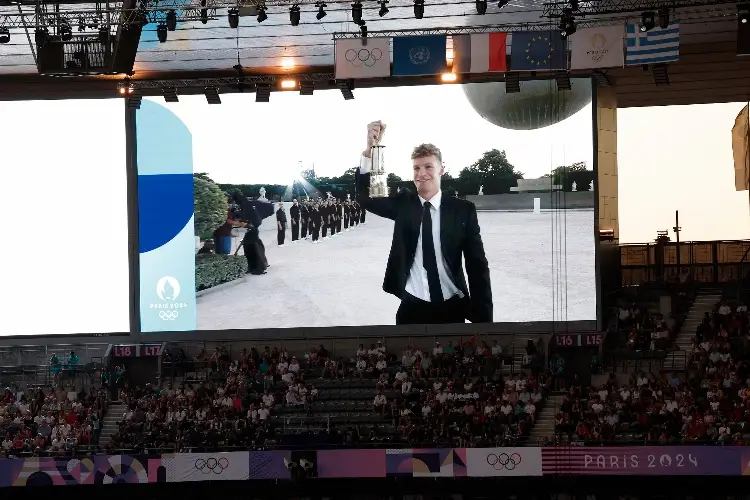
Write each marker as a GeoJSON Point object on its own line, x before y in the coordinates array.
{"type": "Point", "coordinates": [536, 50]}
{"type": "Point", "coordinates": [419, 55]}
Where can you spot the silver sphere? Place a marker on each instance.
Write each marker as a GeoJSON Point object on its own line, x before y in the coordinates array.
{"type": "Point", "coordinates": [538, 105]}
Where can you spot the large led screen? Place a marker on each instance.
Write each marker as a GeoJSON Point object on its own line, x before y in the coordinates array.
{"type": "Point", "coordinates": [63, 210]}
{"type": "Point", "coordinates": [257, 215]}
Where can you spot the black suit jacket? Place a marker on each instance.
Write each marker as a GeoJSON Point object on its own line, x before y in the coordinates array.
{"type": "Point", "coordinates": [459, 236]}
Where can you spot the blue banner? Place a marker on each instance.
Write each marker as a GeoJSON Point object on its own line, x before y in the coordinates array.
{"type": "Point", "coordinates": [165, 221]}
{"type": "Point", "coordinates": [419, 55]}
{"type": "Point", "coordinates": [537, 50]}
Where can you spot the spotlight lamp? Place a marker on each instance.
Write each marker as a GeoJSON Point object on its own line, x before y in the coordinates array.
{"type": "Point", "coordinates": [383, 8]}
{"type": "Point", "coordinates": [648, 21]}
{"type": "Point", "coordinates": [294, 15]}
{"type": "Point", "coordinates": [233, 17]}
{"type": "Point", "coordinates": [419, 9]}
{"type": "Point", "coordinates": [262, 16]}
{"type": "Point", "coordinates": [66, 33]}
{"type": "Point", "coordinates": [161, 33]}
{"type": "Point", "coordinates": [481, 7]}
{"type": "Point", "coordinates": [321, 10]}
{"type": "Point", "coordinates": [171, 20]}
{"type": "Point", "coordinates": [664, 17]}
{"type": "Point", "coordinates": [357, 12]}
{"type": "Point", "coordinates": [4, 34]}
{"type": "Point", "coordinates": [567, 23]}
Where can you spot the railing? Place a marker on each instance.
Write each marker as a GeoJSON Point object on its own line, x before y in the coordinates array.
{"type": "Point", "coordinates": [628, 359]}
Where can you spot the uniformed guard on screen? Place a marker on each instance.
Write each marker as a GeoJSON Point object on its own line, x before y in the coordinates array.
{"type": "Point", "coordinates": [280, 225]}
{"type": "Point", "coordinates": [304, 216]}
{"type": "Point", "coordinates": [294, 213]}
{"type": "Point", "coordinates": [432, 235]}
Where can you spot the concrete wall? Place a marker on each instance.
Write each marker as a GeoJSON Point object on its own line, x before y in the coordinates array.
{"type": "Point", "coordinates": [525, 201]}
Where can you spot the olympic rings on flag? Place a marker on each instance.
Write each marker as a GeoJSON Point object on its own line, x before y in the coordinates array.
{"type": "Point", "coordinates": [363, 57]}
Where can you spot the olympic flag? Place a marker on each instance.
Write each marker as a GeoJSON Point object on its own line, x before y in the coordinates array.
{"type": "Point", "coordinates": [185, 467]}
{"type": "Point", "coordinates": [363, 58]}
{"type": "Point", "coordinates": [493, 462]}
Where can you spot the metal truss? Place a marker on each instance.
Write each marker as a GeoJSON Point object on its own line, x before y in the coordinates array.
{"type": "Point", "coordinates": [248, 80]}
{"type": "Point", "coordinates": [555, 10]}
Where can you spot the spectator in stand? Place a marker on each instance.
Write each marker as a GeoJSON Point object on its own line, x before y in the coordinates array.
{"type": "Point", "coordinates": [44, 421]}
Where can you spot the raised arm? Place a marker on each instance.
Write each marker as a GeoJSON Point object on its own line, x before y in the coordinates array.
{"type": "Point", "coordinates": [478, 271]}
{"type": "Point", "coordinates": [384, 207]}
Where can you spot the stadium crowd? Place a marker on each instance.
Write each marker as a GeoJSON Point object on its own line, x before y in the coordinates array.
{"type": "Point", "coordinates": [50, 421]}
{"type": "Point", "coordinates": [448, 394]}
{"type": "Point", "coordinates": [711, 403]}
{"type": "Point", "coordinates": [442, 395]}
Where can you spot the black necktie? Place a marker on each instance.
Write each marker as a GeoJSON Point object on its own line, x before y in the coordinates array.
{"type": "Point", "coordinates": [428, 256]}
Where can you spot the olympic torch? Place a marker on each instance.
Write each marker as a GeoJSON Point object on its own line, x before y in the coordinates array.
{"type": "Point", "coordinates": [378, 175]}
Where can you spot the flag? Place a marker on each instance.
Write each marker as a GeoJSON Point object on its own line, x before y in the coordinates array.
{"type": "Point", "coordinates": [658, 45]}
{"type": "Point", "coordinates": [354, 59]}
{"type": "Point", "coordinates": [600, 47]}
{"type": "Point", "coordinates": [419, 55]}
{"type": "Point", "coordinates": [534, 50]}
{"type": "Point", "coordinates": [480, 53]}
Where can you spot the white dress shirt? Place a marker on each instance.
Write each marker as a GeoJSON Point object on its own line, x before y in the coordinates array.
{"type": "Point", "coordinates": [416, 283]}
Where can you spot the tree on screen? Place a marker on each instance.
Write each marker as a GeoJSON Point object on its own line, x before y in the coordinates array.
{"type": "Point", "coordinates": [493, 171]}
{"type": "Point", "coordinates": [566, 175]}
{"type": "Point", "coordinates": [211, 207]}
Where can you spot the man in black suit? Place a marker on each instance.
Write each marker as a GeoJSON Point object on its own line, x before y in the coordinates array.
{"type": "Point", "coordinates": [294, 212]}
{"type": "Point", "coordinates": [431, 234]}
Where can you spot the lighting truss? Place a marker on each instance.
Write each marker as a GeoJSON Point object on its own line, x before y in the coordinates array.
{"type": "Point", "coordinates": [224, 82]}
{"type": "Point", "coordinates": [555, 10]}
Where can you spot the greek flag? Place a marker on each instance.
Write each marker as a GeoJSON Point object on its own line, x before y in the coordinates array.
{"type": "Point", "coordinates": [658, 45]}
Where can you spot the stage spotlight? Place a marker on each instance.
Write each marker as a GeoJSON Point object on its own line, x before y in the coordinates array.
{"type": "Point", "coordinates": [212, 95]}
{"type": "Point", "coordinates": [171, 20]}
{"type": "Point", "coordinates": [419, 9]}
{"type": "Point", "coordinates": [262, 16]}
{"type": "Point", "coordinates": [481, 7]}
{"type": "Point", "coordinates": [294, 15]}
{"type": "Point", "coordinates": [648, 21]}
{"type": "Point", "coordinates": [574, 5]}
{"type": "Point", "coordinates": [357, 12]}
{"type": "Point", "coordinates": [567, 24]}
{"type": "Point", "coordinates": [41, 37]}
{"type": "Point", "coordinates": [664, 17]}
{"type": "Point", "coordinates": [170, 94]}
{"type": "Point", "coordinates": [103, 35]}
{"type": "Point", "coordinates": [66, 32]}
{"type": "Point", "coordinates": [743, 13]}
{"type": "Point", "coordinates": [4, 35]}
{"type": "Point", "coordinates": [363, 31]}
{"type": "Point", "coordinates": [161, 33]}
{"type": "Point", "coordinates": [383, 8]}
{"type": "Point", "coordinates": [321, 10]}
{"type": "Point", "coordinates": [233, 16]}
{"type": "Point", "coordinates": [449, 78]}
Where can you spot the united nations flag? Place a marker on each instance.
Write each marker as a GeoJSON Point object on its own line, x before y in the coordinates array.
{"type": "Point", "coordinates": [537, 50]}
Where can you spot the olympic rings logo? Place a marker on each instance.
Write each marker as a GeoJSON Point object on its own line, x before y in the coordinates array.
{"type": "Point", "coordinates": [363, 57]}
{"type": "Point", "coordinates": [168, 315]}
{"type": "Point", "coordinates": [504, 461]}
{"type": "Point", "coordinates": [212, 465]}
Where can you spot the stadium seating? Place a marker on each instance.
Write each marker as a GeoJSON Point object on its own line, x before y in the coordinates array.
{"type": "Point", "coordinates": [708, 404]}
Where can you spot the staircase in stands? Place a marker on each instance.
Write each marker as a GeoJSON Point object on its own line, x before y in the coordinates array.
{"type": "Point", "coordinates": [544, 427]}
{"type": "Point", "coordinates": [704, 302]}
{"type": "Point", "coordinates": [115, 411]}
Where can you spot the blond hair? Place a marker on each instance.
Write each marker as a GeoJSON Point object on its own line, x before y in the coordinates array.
{"type": "Point", "coordinates": [424, 150]}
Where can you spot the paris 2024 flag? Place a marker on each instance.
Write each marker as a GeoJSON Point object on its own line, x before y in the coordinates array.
{"type": "Point", "coordinates": [363, 58]}
{"type": "Point", "coordinates": [600, 47]}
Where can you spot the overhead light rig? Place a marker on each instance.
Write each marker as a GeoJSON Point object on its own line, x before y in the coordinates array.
{"type": "Point", "coordinates": [556, 10]}
{"type": "Point", "coordinates": [227, 82]}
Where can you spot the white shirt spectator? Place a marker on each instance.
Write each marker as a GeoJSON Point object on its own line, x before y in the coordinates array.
{"type": "Point", "coordinates": [437, 350]}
